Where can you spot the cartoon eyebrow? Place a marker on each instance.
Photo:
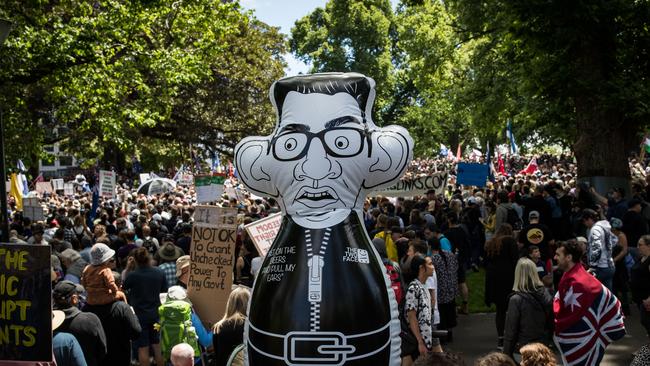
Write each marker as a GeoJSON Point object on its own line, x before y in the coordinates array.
{"type": "Point", "coordinates": [341, 120]}
{"type": "Point", "coordinates": [294, 127]}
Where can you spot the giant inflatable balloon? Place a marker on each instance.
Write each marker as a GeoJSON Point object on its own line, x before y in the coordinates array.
{"type": "Point", "coordinates": [322, 296]}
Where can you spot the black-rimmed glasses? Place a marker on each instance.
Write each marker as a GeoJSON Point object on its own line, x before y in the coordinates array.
{"type": "Point", "coordinates": [338, 142]}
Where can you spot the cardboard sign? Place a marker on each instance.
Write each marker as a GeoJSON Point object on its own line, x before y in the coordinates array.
{"type": "Point", "coordinates": [185, 179]}
{"type": "Point", "coordinates": [208, 188]}
{"type": "Point", "coordinates": [264, 231]}
{"type": "Point", "coordinates": [416, 186]}
{"type": "Point", "coordinates": [68, 189]}
{"type": "Point", "coordinates": [25, 303]}
{"type": "Point", "coordinates": [33, 209]}
{"type": "Point", "coordinates": [44, 187]}
{"type": "Point", "coordinates": [107, 184]}
{"type": "Point", "coordinates": [57, 184]}
{"type": "Point", "coordinates": [213, 248]}
{"type": "Point", "coordinates": [472, 174]}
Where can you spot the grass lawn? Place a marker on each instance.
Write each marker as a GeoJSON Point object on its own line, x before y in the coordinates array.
{"type": "Point", "coordinates": [476, 284]}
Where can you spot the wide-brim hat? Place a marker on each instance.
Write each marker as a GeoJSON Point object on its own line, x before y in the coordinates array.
{"type": "Point", "coordinates": [182, 262]}
{"type": "Point", "coordinates": [100, 253]}
{"type": "Point", "coordinates": [170, 252]}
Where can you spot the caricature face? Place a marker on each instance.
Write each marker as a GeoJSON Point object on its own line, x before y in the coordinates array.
{"type": "Point", "coordinates": [325, 153]}
{"type": "Point", "coordinates": [315, 147]}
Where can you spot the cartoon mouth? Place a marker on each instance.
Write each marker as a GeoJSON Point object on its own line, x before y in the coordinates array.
{"type": "Point", "coordinates": [316, 197]}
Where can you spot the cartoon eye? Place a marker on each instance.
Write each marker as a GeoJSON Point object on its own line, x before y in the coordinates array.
{"type": "Point", "coordinates": [341, 142]}
{"type": "Point", "coordinates": [290, 144]}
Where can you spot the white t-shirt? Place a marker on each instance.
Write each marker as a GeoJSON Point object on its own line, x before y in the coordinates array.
{"type": "Point", "coordinates": [432, 284]}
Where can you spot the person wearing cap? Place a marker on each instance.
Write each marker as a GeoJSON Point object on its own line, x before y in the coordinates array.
{"type": "Point", "coordinates": [74, 265]}
{"type": "Point", "coordinates": [98, 277]}
{"type": "Point", "coordinates": [634, 225]}
{"type": "Point", "coordinates": [86, 327]}
{"type": "Point", "coordinates": [600, 243]}
{"type": "Point", "coordinates": [65, 347]}
{"type": "Point", "coordinates": [178, 293]}
{"type": "Point", "coordinates": [183, 270]}
{"type": "Point", "coordinates": [166, 257]}
{"type": "Point", "coordinates": [37, 235]}
{"type": "Point", "coordinates": [538, 234]}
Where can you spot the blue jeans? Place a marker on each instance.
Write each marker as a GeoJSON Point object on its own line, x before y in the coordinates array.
{"type": "Point", "coordinates": [606, 276]}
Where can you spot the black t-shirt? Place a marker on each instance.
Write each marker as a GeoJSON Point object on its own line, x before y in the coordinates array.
{"type": "Point", "coordinates": [536, 234]}
{"type": "Point", "coordinates": [634, 226]}
{"type": "Point", "coordinates": [143, 287]}
{"type": "Point", "coordinates": [459, 242]}
{"type": "Point", "coordinates": [231, 334]}
{"type": "Point", "coordinates": [121, 327]}
{"type": "Point", "coordinates": [640, 280]}
{"type": "Point", "coordinates": [88, 330]}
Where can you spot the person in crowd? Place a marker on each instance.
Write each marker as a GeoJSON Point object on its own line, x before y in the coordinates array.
{"type": "Point", "coordinates": [243, 275]}
{"type": "Point", "coordinates": [185, 240]}
{"type": "Point", "coordinates": [640, 282]}
{"type": "Point", "coordinates": [537, 354]}
{"type": "Point", "coordinates": [538, 234]}
{"type": "Point", "coordinates": [530, 309]}
{"type": "Point", "coordinates": [417, 308]}
{"type": "Point", "coordinates": [229, 331]}
{"type": "Point", "coordinates": [65, 346]}
{"type": "Point", "coordinates": [460, 242]}
{"type": "Point", "coordinates": [620, 254]}
{"type": "Point", "coordinates": [84, 326]}
{"type": "Point", "coordinates": [642, 356]}
{"type": "Point", "coordinates": [440, 359]}
{"type": "Point", "coordinates": [143, 287]}
{"type": "Point", "coordinates": [446, 267]}
{"type": "Point", "coordinates": [97, 278]}
{"type": "Point", "coordinates": [393, 271]}
{"type": "Point", "coordinates": [166, 258]}
{"type": "Point", "coordinates": [501, 259]}
{"type": "Point", "coordinates": [205, 338]}
{"type": "Point", "coordinates": [501, 213]}
{"type": "Point", "coordinates": [489, 222]}
{"type": "Point", "coordinates": [74, 265]}
{"type": "Point", "coordinates": [182, 355]}
{"type": "Point", "coordinates": [599, 247]}
{"type": "Point", "coordinates": [495, 359]}
{"type": "Point", "coordinates": [183, 270]}
{"type": "Point", "coordinates": [634, 225]}
{"type": "Point", "coordinates": [37, 235]}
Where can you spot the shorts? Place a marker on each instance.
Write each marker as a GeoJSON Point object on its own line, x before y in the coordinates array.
{"type": "Point", "coordinates": [462, 272]}
{"type": "Point", "coordinates": [148, 336]}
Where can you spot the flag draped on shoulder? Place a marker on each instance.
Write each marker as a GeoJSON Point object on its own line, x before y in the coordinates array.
{"type": "Point", "coordinates": [587, 318]}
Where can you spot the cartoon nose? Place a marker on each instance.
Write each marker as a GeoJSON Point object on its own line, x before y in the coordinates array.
{"type": "Point", "coordinates": [317, 164]}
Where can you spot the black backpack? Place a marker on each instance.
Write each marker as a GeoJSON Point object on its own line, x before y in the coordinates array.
{"type": "Point", "coordinates": [513, 219]}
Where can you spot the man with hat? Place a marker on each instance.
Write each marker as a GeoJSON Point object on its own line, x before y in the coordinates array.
{"type": "Point", "coordinates": [73, 263]}
{"type": "Point", "coordinates": [183, 270]}
{"type": "Point", "coordinates": [167, 256]}
{"type": "Point", "coordinates": [86, 327]}
{"type": "Point", "coordinates": [65, 347]}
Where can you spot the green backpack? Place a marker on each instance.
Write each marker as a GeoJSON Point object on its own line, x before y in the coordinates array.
{"type": "Point", "coordinates": [176, 327]}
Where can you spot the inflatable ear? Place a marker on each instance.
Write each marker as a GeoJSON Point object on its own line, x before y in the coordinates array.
{"type": "Point", "coordinates": [392, 149]}
{"type": "Point", "coordinates": [250, 157]}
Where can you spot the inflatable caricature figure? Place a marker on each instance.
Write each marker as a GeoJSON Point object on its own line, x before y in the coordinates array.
{"type": "Point", "coordinates": [322, 296]}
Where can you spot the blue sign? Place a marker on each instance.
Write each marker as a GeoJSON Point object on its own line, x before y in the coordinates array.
{"type": "Point", "coordinates": [472, 174]}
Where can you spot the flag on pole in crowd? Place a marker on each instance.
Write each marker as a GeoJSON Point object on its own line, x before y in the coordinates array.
{"type": "Point", "coordinates": [16, 191]}
{"type": "Point", "coordinates": [588, 318]}
{"type": "Point", "coordinates": [216, 162]}
{"type": "Point", "coordinates": [443, 150]}
{"type": "Point", "coordinates": [458, 152]}
{"type": "Point", "coordinates": [22, 179]}
{"type": "Point", "coordinates": [531, 168]}
{"type": "Point", "coordinates": [501, 166]}
{"type": "Point", "coordinates": [488, 160]}
{"type": "Point", "coordinates": [38, 179]}
{"type": "Point", "coordinates": [180, 170]}
{"type": "Point", "coordinates": [511, 138]}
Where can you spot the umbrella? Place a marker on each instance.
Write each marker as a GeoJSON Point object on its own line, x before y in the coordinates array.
{"type": "Point", "coordinates": [157, 186]}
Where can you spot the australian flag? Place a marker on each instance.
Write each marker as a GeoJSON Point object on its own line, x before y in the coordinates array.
{"type": "Point", "coordinates": [587, 318]}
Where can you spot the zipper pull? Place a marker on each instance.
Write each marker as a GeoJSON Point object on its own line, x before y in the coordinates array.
{"type": "Point", "coordinates": [315, 264]}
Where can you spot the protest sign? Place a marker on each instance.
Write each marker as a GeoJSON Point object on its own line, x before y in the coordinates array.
{"type": "Point", "coordinates": [107, 184]}
{"type": "Point", "coordinates": [25, 303]}
{"type": "Point", "coordinates": [185, 179]}
{"type": "Point", "coordinates": [416, 186]}
{"type": "Point", "coordinates": [208, 188]}
{"type": "Point", "coordinates": [472, 174]}
{"type": "Point", "coordinates": [8, 186]}
{"type": "Point", "coordinates": [211, 261]}
{"type": "Point", "coordinates": [263, 232]}
{"type": "Point", "coordinates": [44, 187]}
{"type": "Point", "coordinates": [144, 178]}
{"type": "Point", "coordinates": [68, 189]}
{"type": "Point", "coordinates": [57, 184]}
{"type": "Point", "coordinates": [33, 209]}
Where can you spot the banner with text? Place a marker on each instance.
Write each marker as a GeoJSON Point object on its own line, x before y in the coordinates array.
{"type": "Point", "coordinates": [211, 262]}
{"type": "Point", "coordinates": [208, 188]}
{"type": "Point", "coordinates": [264, 231]}
{"type": "Point", "coordinates": [416, 186]}
{"type": "Point", "coordinates": [107, 184]}
{"type": "Point", "coordinates": [25, 303]}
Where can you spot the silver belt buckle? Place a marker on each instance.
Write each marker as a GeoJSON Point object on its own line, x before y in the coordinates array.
{"type": "Point", "coordinates": [322, 348]}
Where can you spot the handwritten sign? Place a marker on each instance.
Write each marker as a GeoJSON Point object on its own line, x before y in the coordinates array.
{"type": "Point", "coordinates": [57, 184]}
{"type": "Point", "coordinates": [107, 184]}
{"type": "Point", "coordinates": [416, 186]}
{"type": "Point", "coordinates": [264, 231]}
{"type": "Point", "coordinates": [211, 260]}
{"type": "Point", "coordinates": [68, 189]}
{"type": "Point", "coordinates": [43, 187]}
{"type": "Point", "coordinates": [185, 179]}
{"type": "Point", "coordinates": [25, 303]}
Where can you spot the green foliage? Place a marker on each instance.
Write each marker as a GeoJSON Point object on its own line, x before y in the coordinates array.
{"type": "Point", "coordinates": [111, 73]}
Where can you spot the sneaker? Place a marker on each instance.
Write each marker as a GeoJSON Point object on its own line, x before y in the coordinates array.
{"type": "Point", "coordinates": [500, 343]}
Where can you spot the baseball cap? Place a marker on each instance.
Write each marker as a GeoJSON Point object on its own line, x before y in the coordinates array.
{"type": "Point", "coordinates": [65, 288]}
{"type": "Point", "coordinates": [533, 215]}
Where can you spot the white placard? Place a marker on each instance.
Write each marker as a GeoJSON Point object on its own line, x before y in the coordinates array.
{"type": "Point", "coordinates": [57, 184]}
{"type": "Point", "coordinates": [107, 184]}
{"type": "Point", "coordinates": [264, 231]}
{"type": "Point", "coordinates": [68, 189]}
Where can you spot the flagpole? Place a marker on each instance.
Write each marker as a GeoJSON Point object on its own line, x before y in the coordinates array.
{"type": "Point", "coordinates": [4, 226]}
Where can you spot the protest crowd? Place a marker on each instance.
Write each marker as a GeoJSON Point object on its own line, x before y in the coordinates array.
{"type": "Point", "coordinates": [120, 267]}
